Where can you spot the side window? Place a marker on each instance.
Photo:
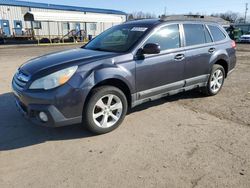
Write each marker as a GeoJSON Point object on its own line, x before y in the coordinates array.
{"type": "Point", "coordinates": [167, 37]}
{"type": "Point", "coordinates": [37, 25]}
{"type": "Point", "coordinates": [208, 36]}
{"type": "Point", "coordinates": [194, 34]}
{"type": "Point", "coordinates": [218, 35]}
{"type": "Point", "coordinates": [93, 26]}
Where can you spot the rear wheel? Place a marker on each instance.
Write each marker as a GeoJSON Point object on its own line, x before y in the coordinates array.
{"type": "Point", "coordinates": [216, 81]}
{"type": "Point", "coordinates": [105, 110]}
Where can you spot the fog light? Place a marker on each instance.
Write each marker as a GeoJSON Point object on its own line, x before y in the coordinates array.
{"type": "Point", "coordinates": [43, 116]}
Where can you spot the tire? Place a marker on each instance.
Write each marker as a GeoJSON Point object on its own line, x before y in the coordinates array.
{"type": "Point", "coordinates": [213, 89]}
{"type": "Point", "coordinates": [105, 110]}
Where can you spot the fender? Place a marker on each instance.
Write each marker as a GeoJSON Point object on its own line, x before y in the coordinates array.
{"type": "Point", "coordinates": [217, 56]}
{"type": "Point", "coordinates": [124, 72]}
{"type": "Point", "coordinates": [115, 72]}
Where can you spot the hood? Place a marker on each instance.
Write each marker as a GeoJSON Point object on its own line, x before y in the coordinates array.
{"type": "Point", "coordinates": [65, 58]}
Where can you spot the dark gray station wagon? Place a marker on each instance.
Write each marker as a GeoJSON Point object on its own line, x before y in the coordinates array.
{"type": "Point", "coordinates": [123, 67]}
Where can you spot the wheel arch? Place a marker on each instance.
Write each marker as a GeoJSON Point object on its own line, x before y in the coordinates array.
{"type": "Point", "coordinates": [220, 58]}
{"type": "Point", "coordinates": [224, 64]}
{"type": "Point", "coordinates": [115, 82]}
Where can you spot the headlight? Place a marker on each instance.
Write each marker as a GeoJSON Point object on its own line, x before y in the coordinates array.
{"type": "Point", "coordinates": [55, 79]}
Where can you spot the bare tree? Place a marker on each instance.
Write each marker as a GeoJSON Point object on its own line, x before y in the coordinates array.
{"type": "Point", "coordinates": [141, 15]}
{"type": "Point", "coordinates": [230, 16]}
{"type": "Point", "coordinates": [240, 20]}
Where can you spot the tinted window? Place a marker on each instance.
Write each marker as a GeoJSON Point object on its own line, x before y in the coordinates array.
{"type": "Point", "coordinates": [218, 35]}
{"type": "Point", "coordinates": [167, 37]}
{"type": "Point", "coordinates": [194, 34]}
{"type": "Point", "coordinates": [117, 37]}
{"type": "Point", "coordinates": [208, 36]}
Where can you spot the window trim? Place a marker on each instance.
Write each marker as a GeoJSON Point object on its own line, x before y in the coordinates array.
{"type": "Point", "coordinates": [182, 36]}
{"type": "Point", "coordinates": [206, 25]}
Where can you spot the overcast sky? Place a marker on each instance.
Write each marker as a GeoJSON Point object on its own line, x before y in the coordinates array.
{"type": "Point", "coordinates": [157, 6]}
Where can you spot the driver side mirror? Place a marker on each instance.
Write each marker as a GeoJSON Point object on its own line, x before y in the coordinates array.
{"type": "Point", "coordinates": [151, 48]}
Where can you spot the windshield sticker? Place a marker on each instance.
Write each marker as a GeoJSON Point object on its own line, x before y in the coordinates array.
{"type": "Point", "coordinates": [140, 29]}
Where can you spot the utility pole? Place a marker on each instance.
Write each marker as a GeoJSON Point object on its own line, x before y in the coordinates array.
{"type": "Point", "coordinates": [246, 12]}
{"type": "Point", "coordinates": [165, 11]}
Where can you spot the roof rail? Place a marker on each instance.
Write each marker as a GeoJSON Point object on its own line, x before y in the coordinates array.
{"type": "Point", "coordinates": [189, 18]}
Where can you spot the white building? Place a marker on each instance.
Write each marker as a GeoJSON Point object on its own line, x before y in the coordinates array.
{"type": "Point", "coordinates": [23, 19]}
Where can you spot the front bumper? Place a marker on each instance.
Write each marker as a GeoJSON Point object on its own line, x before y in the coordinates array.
{"type": "Point", "coordinates": [55, 117]}
{"type": "Point", "coordinates": [63, 106]}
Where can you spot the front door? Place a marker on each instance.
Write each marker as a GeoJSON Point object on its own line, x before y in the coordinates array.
{"type": "Point", "coordinates": [18, 27]}
{"type": "Point", "coordinates": [5, 27]}
{"type": "Point", "coordinates": [160, 73]}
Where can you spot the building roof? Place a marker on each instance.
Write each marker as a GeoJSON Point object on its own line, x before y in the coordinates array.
{"type": "Point", "coordinates": [71, 17]}
{"type": "Point", "coordinates": [59, 7]}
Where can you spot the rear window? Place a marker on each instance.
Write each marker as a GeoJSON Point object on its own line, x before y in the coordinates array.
{"type": "Point", "coordinates": [217, 34]}
{"type": "Point", "coordinates": [194, 34]}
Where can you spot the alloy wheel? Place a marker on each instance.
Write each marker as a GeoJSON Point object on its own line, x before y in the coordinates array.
{"type": "Point", "coordinates": [107, 111]}
{"type": "Point", "coordinates": [216, 81]}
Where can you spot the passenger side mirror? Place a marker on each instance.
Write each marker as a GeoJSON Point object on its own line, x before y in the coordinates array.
{"type": "Point", "coordinates": [151, 48]}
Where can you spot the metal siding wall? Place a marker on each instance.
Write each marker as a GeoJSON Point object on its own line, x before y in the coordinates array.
{"type": "Point", "coordinates": [45, 26]}
{"type": "Point", "coordinates": [12, 13]}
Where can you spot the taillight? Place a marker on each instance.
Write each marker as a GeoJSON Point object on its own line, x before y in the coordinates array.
{"type": "Point", "coordinates": [233, 44]}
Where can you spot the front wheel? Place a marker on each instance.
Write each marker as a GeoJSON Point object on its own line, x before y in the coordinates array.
{"type": "Point", "coordinates": [216, 81]}
{"type": "Point", "coordinates": [105, 110]}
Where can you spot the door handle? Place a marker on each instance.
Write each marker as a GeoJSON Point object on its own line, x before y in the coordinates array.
{"type": "Point", "coordinates": [179, 57]}
{"type": "Point", "coordinates": [211, 50]}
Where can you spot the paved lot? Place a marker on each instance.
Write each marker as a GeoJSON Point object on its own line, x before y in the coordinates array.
{"type": "Point", "coordinates": [182, 141]}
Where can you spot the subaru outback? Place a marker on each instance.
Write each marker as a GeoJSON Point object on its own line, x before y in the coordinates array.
{"type": "Point", "coordinates": [125, 66]}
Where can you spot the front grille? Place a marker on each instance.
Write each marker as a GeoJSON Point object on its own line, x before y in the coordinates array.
{"type": "Point", "coordinates": [20, 80]}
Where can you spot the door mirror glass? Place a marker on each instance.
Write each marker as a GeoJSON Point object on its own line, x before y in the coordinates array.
{"type": "Point", "coordinates": [151, 48]}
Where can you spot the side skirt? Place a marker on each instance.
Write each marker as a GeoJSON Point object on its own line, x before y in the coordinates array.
{"type": "Point", "coordinates": [168, 90]}
{"type": "Point", "coordinates": [170, 93]}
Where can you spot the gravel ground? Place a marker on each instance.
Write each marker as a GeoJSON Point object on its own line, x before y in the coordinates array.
{"type": "Point", "coordinates": [185, 140]}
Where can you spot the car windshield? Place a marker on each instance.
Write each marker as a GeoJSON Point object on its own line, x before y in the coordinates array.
{"type": "Point", "coordinates": [117, 39]}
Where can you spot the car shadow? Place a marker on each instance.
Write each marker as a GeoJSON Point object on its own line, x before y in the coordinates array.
{"type": "Point", "coordinates": [17, 132]}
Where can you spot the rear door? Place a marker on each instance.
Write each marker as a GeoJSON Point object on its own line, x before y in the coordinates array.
{"type": "Point", "coordinates": [199, 49]}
